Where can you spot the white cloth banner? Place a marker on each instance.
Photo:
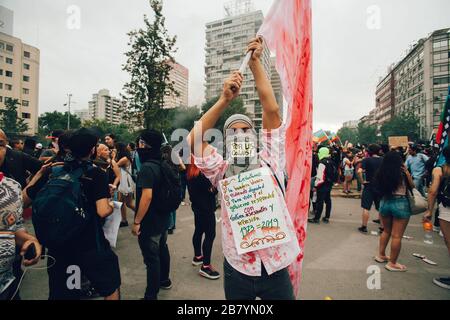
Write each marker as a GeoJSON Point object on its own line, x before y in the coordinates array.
{"type": "Point", "coordinates": [112, 224]}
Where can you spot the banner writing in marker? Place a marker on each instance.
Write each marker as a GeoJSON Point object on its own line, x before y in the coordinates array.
{"type": "Point", "coordinates": [255, 210]}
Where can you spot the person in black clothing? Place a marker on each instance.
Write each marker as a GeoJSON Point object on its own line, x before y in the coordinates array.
{"type": "Point", "coordinates": [90, 251]}
{"type": "Point", "coordinates": [323, 185]}
{"type": "Point", "coordinates": [16, 165]}
{"type": "Point", "coordinates": [149, 225]}
{"type": "Point", "coordinates": [203, 202]}
{"type": "Point", "coordinates": [29, 146]}
{"type": "Point", "coordinates": [366, 174]}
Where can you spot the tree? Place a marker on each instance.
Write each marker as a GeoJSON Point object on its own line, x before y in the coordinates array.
{"type": "Point", "coordinates": [123, 132]}
{"type": "Point", "coordinates": [236, 106]}
{"type": "Point", "coordinates": [405, 124]}
{"type": "Point", "coordinates": [348, 134]}
{"type": "Point", "coordinates": [184, 118]}
{"type": "Point", "coordinates": [149, 63]}
{"type": "Point", "coordinates": [55, 120]}
{"type": "Point", "coordinates": [367, 133]}
{"type": "Point", "coordinates": [10, 121]}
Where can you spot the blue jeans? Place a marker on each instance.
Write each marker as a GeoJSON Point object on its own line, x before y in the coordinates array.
{"type": "Point", "coordinates": [397, 207]}
{"type": "Point", "coordinates": [172, 220]}
{"type": "Point", "coordinates": [420, 186]}
{"type": "Point", "coordinates": [239, 286]}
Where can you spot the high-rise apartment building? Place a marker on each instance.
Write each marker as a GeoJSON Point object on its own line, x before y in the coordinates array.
{"type": "Point", "coordinates": [418, 83]}
{"type": "Point", "coordinates": [226, 42]}
{"type": "Point", "coordinates": [275, 81]}
{"type": "Point", "coordinates": [103, 106]}
{"type": "Point", "coordinates": [83, 114]}
{"type": "Point", "coordinates": [19, 78]}
{"type": "Point", "coordinates": [180, 76]}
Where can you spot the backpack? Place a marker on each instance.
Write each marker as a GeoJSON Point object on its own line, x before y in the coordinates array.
{"type": "Point", "coordinates": [444, 191]}
{"type": "Point", "coordinates": [331, 171]}
{"type": "Point", "coordinates": [167, 197]}
{"type": "Point", "coordinates": [60, 210]}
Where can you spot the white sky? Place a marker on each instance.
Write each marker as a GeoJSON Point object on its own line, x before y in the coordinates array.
{"type": "Point", "coordinates": [348, 56]}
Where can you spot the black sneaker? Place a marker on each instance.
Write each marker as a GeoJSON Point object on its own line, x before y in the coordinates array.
{"type": "Point", "coordinates": [166, 285]}
{"type": "Point", "coordinates": [124, 224]}
{"type": "Point", "coordinates": [170, 231]}
{"type": "Point", "coordinates": [209, 273]}
{"type": "Point", "coordinates": [314, 221]}
{"type": "Point", "coordinates": [197, 261]}
{"type": "Point", "coordinates": [326, 221]}
{"type": "Point", "coordinates": [442, 282]}
{"type": "Point", "coordinates": [363, 230]}
{"type": "Point", "coordinates": [377, 221]}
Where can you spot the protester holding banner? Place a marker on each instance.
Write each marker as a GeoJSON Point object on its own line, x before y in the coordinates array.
{"type": "Point", "coordinates": [262, 273]}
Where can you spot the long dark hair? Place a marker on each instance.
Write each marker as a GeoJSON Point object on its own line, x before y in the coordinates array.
{"type": "Point", "coordinates": [122, 151]}
{"type": "Point", "coordinates": [390, 174]}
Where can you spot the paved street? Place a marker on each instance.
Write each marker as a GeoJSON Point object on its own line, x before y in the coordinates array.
{"type": "Point", "coordinates": [335, 265]}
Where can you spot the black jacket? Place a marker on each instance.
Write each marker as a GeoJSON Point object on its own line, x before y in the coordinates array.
{"type": "Point", "coordinates": [19, 166]}
{"type": "Point", "coordinates": [202, 199]}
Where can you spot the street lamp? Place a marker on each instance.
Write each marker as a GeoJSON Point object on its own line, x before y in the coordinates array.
{"type": "Point", "coordinates": [68, 115]}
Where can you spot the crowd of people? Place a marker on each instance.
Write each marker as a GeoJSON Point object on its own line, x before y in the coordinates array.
{"type": "Point", "coordinates": [71, 187]}
{"type": "Point", "coordinates": [386, 176]}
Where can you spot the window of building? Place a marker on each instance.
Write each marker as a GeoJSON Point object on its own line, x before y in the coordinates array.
{"type": "Point", "coordinates": [1, 72]}
{"type": "Point", "coordinates": [1, 85]}
{"type": "Point", "coordinates": [26, 66]}
{"type": "Point", "coordinates": [441, 80]}
{"type": "Point", "coordinates": [9, 61]}
{"type": "Point", "coordinates": [26, 78]}
{"type": "Point", "coordinates": [25, 103]}
{"type": "Point", "coordinates": [1, 99]}
{"type": "Point", "coordinates": [25, 91]}
{"type": "Point", "coordinates": [26, 54]}
{"type": "Point", "coordinates": [2, 45]}
{"type": "Point", "coordinates": [9, 74]}
{"type": "Point", "coordinates": [8, 87]}
{"type": "Point", "coordinates": [9, 48]}
{"type": "Point", "coordinates": [26, 115]}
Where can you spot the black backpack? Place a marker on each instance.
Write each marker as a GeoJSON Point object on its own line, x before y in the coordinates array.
{"type": "Point", "coordinates": [444, 191]}
{"type": "Point", "coordinates": [331, 171]}
{"type": "Point", "coordinates": [60, 209]}
{"type": "Point", "coordinates": [167, 196]}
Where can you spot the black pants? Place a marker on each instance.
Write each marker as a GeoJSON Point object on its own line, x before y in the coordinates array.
{"type": "Point", "coordinates": [205, 224]}
{"type": "Point", "coordinates": [239, 286]}
{"type": "Point", "coordinates": [323, 197]}
{"type": "Point", "coordinates": [157, 260]}
{"type": "Point", "coordinates": [100, 267]}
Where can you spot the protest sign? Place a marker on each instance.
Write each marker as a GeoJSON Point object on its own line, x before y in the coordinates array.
{"type": "Point", "coordinates": [255, 210]}
{"type": "Point", "coordinates": [398, 142]}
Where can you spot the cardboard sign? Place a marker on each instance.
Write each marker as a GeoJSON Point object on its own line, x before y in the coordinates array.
{"type": "Point", "coordinates": [398, 142]}
{"type": "Point", "coordinates": [255, 210]}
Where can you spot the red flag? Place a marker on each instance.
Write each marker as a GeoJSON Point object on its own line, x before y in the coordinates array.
{"type": "Point", "coordinates": [287, 31]}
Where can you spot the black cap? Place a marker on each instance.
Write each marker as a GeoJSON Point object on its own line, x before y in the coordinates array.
{"type": "Point", "coordinates": [152, 138]}
{"type": "Point", "coordinates": [81, 142]}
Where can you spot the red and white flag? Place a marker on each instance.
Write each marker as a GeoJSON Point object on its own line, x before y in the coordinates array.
{"type": "Point", "coordinates": [287, 31]}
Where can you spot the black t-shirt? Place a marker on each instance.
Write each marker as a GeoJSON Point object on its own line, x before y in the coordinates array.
{"type": "Point", "coordinates": [149, 177]}
{"type": "Point", "coordinates": [202, 198]}
{"type": "Point", "coordinates": [370, 166]}
{"type": "Point", "coordinates": [95, 187]}
{"type": "Point", "coordinates": [18, 166]}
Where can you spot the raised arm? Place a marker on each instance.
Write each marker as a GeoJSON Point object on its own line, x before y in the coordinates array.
{"type": "Point", "coordinates": [231, 90]}
{"type": "Point", "coordinates": [271, 109]}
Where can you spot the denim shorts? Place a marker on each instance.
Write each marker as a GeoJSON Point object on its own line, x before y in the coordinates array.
{"type": "Point", "coordinates": [397, 207]}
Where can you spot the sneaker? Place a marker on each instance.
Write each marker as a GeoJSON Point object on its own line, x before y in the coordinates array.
{"type": "Point", "coordinates": [209, 273]}
{"type": "Point", "coordinates": [166, 285]}
{"type": "Point", "coordinates": [363, 230]}
{"type": "Point", "coordinates": [124, 224]}
{"type": "Point", "coordinates": [442, 282]}
{"type": "Point", "coordinates": [436, 229]}
{"type": "Point", "coordinates": [376, 221]}
{"type": "Point", "coordinates": [183, 203]}
{"type": "Point", "coordinates": [170, 231]}
{"type": "Point", "coordinates": [197, 261]}
{"type": "Point", "coordinates": [326, 221]}
{"type": "Point", "coordinates": [314, 221]}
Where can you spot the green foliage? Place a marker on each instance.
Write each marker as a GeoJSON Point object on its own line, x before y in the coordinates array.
{"type": "Point", "coordinates": [10, 121]}
{"type": "Point", "coordinates": [406, 124]}
{"type": "Point", "coordinates": [348, 134]}
{"type": "Point", "coordinates": [236, 106]}
{"type": "Point", "coordinates": [55, 120]}
{"type": "Point", "coordinates": [122, 131]}
{"type": "Point", "coordinates": [367, 133]}
{"type": "Point", "coordinates": [148, 63]}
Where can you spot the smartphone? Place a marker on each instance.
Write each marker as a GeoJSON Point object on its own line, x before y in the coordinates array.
{"type": "Point", "coordinates": [30, 254]}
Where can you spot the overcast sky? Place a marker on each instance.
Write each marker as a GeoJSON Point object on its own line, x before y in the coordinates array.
{"type": "Point", "coordinates": [349, 57]}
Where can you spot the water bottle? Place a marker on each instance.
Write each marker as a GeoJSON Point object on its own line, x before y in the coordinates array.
{"type": "Point", "coordinates": [428, 229]}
